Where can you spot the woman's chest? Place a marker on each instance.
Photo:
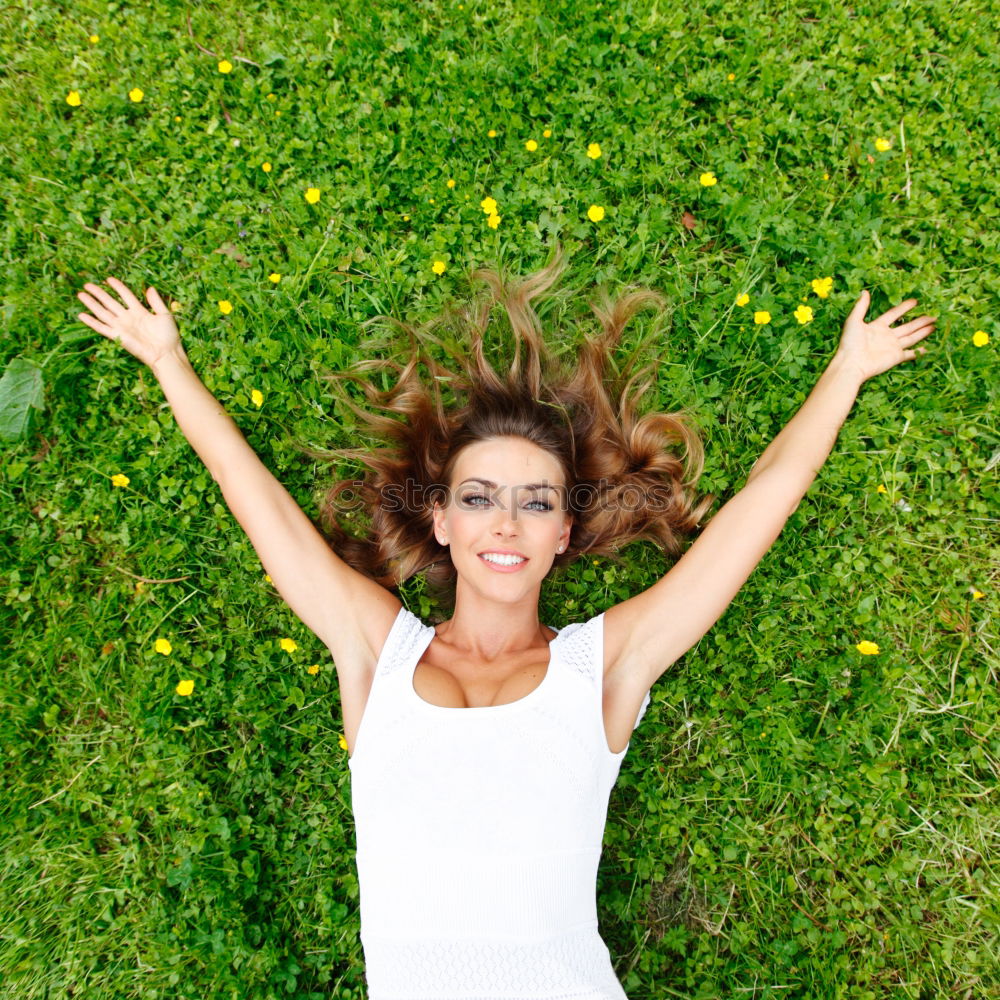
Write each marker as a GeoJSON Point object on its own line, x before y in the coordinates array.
{"type": "Point", "coordinates": [450, 682]}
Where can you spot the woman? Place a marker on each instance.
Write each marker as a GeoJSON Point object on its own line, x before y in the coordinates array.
{"type": "Point", "coordinates": [483, 750]}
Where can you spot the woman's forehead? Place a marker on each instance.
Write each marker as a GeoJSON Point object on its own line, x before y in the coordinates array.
{"type": "Point", "coordinates": [508, 461]}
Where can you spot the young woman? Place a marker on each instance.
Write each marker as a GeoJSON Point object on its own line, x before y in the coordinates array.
{"type": "Point", "coordinates": [483, 750]}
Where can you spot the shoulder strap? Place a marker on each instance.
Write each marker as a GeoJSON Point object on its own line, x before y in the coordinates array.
{"type": "Point", "coordinates": [401, 642]}
{"type": "Point", "coordinates": [582, 648]}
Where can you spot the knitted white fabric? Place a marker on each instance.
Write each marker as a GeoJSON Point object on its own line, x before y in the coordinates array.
{"type": "Point", "coordinates": [479, 831]}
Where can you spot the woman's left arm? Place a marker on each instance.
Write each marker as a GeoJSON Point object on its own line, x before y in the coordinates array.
{"type": "Point", "coordinates": [865, 350]}
{"type": "Point", "coordinates": [644, 635]}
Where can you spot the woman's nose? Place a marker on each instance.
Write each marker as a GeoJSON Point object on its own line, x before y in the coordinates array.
{"type": "Point", "coordinates": [505, 522]}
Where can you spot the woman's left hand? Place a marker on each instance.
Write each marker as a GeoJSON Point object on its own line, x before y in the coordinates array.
{"type": "Point", "coordinates": [875, 347]}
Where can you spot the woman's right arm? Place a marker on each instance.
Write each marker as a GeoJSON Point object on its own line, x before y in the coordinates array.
{"type": "Point", "coordinates": [350, 613]}
{"type": "Point", "coordinates": [209, 429]}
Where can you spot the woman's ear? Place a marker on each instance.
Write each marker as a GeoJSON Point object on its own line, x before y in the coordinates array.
{"type": "Point", "coordinates": [565, 533]}
{"type": "Point", "coordinates": [439, 533]}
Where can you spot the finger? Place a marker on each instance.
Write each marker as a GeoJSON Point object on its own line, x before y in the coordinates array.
{"type": "Point", "coordinates": [97, 325]}
{"type": "Point", "coordinates": [914, 324]}
{"type": "Point", "coordinates": [111, 304]}
{"type": "Point", "coordinates": [127, 297]}
{"type": "Point", "coordinates": [860, 307]}
{"type": "Point", "coordinates": [891, 315]}
{"type": "Point", "coordinates": [105, 315]}
{"type": "Point", "coordinates": [155, 301]}
{"type": "Point", "coordinates": [916, 336]}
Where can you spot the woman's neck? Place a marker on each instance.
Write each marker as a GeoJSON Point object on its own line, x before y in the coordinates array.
{"type": "Point", "coordinates": [488, 629]}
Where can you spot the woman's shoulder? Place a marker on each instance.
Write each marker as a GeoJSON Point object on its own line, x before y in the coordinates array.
{"type": "Point", "coordinates": [406, 632]}
{"type": "Point", "coordinates": [581, 645]}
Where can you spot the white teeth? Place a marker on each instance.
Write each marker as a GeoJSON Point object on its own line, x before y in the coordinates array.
{"type": "Point", "coordinates": [503, 560]}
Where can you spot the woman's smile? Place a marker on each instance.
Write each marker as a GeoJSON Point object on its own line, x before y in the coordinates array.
{"type": "Point", "coordinates": [502, 561]}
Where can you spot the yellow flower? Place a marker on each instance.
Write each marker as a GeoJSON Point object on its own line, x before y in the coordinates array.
{"type": "Point", "coordinates": [289, 645]}
{"type": "Point", "coordinates": [274, 278]}
{"type": "Point", "coordinates": [266, 167]}
{"type": "Point", "coordinates": [867, 648]}
{"type": "Point", "coordinates": [225, 66]}
{"type": "Point", "coordinates": [708, 179]}
{"type": "Point", "coordinates": [731, 77]}
{"type": "Point", "coordinates": [804, 314]}
{"type": "Point", "coordinates": [343, 743]}
{"type": "Point", "coordinates": [185, 688]}
{"type": "Point", "coordinates": [177, 118]}
{"type": "Point", "coordinates": [492, 133]}
{"type": "Point", "coordinates": [980, 338]}
{"type": "Point", "coordinates": [826, 177]}
{"type": "Point", "coordinates": [73, 98]}
{"type": "Point", "coordinates": [594, 151]}
{"type": "Point", "coordinates": [272, 97]}
{"type": "Point", "coordinates": [225, 307]}
{"type": "Point", "coordinates": [762, 318]}
{"type": "Point", "coordinates": [175, 306]}
{"type": "Point", "coordinates": [882, 145]}
{"type": "Point", "coordinates": [431, 200]}
{"type": "Point", "coordinates": [162, 646]}
{"type": "Point", "coordinates": [314, 669]}
{"type": "Point", "coordinates": [94, 39]}
{"type": "Point", "coordinates": [119, 480]}
{"type": "Point", "coordinates": [531, 145]}
{"type": "Point", "coordinates": [312, 195]}
{"type": "Point", "coordinates": [822, 286]}
{"type": "Point", "coordinates": [595, 213]}
{"type": "Point", "coordinates": [493, 221]}
{"type": "Point", "coordinates": [267, 576]}
{"type": "Point", "coordinates": [488, 205]}
{"type": "Point", "coordinates": [977, 595]}
{"type": "Point", "coordinates": [406, 218]}
{"type": "Point", "coordinates": [451, 183]}
{"type": "Point", "coordinates": [135, 95]}
{"type": "Point", "coordinates": [743, 299]}
{"type": "Point", "coordinates": [438, 267]}
{"type": "Point", "coordinates": [547, 134]}
{"type": "Point", "coordinates": [257, 398]}
{"type": "Point", "coordinates": [881, 489]}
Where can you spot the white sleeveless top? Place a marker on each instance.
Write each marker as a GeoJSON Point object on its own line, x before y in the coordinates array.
{"type": "Point", "coordinates": [479, 831]}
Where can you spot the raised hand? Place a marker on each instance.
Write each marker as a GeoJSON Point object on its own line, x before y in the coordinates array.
{"type": "Point", "coordinates": [146, 335]}
{"type": "Point", "coordinates": [875, 347]}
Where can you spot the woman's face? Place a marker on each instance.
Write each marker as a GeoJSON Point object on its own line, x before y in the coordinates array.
{"type": "Point", "coordinates": [506, 517]}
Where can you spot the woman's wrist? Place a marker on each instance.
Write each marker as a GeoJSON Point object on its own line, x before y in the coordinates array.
{"type": "Point", "coordinates": [847, 370]}
{"type": "Point", "coordinates": [175, 357]}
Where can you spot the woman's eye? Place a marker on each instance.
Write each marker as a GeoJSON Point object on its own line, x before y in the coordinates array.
{"type": "Point", "coordinates": [480, 500]}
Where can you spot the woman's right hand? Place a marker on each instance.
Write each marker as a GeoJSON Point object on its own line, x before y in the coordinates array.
{"type": "Point", "coordinates": [146, 335]}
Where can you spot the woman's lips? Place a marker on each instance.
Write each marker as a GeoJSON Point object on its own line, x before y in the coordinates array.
{"type": "Point", "coordinates": [505, 569]}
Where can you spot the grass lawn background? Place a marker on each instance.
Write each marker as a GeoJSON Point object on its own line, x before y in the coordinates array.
{"type": "Point", "coordinates": [794, 819]}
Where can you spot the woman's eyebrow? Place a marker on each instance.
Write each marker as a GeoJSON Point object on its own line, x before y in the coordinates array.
{"type": "Point", "coordinates": [526, 486]}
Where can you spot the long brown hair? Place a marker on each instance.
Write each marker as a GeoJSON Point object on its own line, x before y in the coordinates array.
{"type": "Point", "coordinates": [624, 477]}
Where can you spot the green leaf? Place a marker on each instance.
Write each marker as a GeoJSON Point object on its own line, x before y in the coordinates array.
{"type": "Point", "coordinates": [21, 391]}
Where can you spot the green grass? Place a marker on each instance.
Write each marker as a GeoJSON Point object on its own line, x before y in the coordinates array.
{"type": "Point", "coordinates": [793, 819]}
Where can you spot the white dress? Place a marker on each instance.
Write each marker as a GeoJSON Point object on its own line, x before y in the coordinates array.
{"type": "Point", "coordinates": [479, 831]}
